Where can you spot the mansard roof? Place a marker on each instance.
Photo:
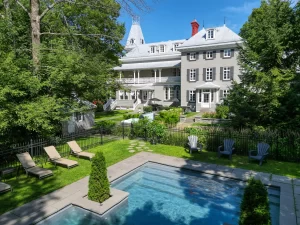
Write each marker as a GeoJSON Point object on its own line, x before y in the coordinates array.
{"type": "Point", "coordinates": [223, 36]}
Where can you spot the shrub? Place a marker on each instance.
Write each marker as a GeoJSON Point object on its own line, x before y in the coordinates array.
{"type": "Point", "coordinates": [139, 128]}
{"type": "Point", "coordinates": [156, 131]}
{"type": "Point", "coordinates": [106, 126]}
{"type": "Point", "coordinates": [209, 115]}
{"type": "Point", "coordinates": [255, 204]}
{"type": "Point", "coordinates": [147, 109]}
{"type": "Point", "coordinates": [222, 111]}
{"type": "Point", "coordinates": [129, 116]}
{"type": "Point", "coordinates": [98, 182]}
{"type": "Point", "coordinates": [170, 117]}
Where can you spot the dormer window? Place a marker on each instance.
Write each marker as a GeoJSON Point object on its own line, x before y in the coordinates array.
{"type": "Point", "coordinates": [211, 34]}
{"type": "Point", "coordinates": [193, 56]}
{"type": "Point", "coordinates": [176, 46]}
{"type": "Point", "coordinates": [142, 41]}
{"type": "Point", "coordinates": [162, 48]}
{"type": "Point", "coordinates": [132, 41]}
{"type": "Point", "coordinates": [152, 49]}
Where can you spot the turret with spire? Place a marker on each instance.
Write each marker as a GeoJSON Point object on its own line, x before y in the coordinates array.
{"type": "Point", "coordinates": [135, 36]}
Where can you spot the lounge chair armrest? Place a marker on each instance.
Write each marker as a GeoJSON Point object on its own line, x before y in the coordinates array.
{"type": "Point", "coordinates": [220, 147]}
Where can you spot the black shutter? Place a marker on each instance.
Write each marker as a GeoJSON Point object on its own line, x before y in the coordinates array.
{"type": "Point", "coordinates": [221, 73]}
{"type": "Point", "coordinates": [188, 56]}
{"type": "Point", "coordinates": [222, 54]}
{"type": "Point", "coordinates": [197, 74]}
{"type": "Point", "coordinates": [204, 55]}
{"type": "Point", "coordinates": [231, 72]}
{"type": "Point", "coordinates": [204, 74]}
{"type": "Point", "coordinates": [232, 53]}
{"type": "Point", "coordinates": [214, 73]}
{"type": "Point", "coordinates": [188, 75]}
{"type": "Point", "coordinates": [221, 94]}
{"type": "Point", "coordinates": [214, 54]}
{"type": "Point", "coordinates": [187, 96]}
{"type": "Point", "coordinates": [197, 55]}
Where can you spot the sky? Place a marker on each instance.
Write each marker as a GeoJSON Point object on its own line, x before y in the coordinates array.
{"type": "Point", "coordinates": [171, 19]}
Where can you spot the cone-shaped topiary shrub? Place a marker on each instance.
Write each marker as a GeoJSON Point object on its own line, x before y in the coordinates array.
{"type": "Point", "coordinates": [98, 182]}
{"type": "Point", "coordinates": [255, 207]}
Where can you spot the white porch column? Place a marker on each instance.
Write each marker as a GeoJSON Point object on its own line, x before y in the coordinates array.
{"type": "Point", "coordinates": [210, 98]}
{"type": "Point", "coordinates": [159, 75]}
{"type": "Point", "coordinates": [217, 96]}
{"type": "Point", "coordinates": [120, 75]}
{"type": "Point", "coordinates": [134, 76]}
{"type": "Point", "coordinates": [155, 76]}
{"type": "Point", "coordinates": [138, 76]}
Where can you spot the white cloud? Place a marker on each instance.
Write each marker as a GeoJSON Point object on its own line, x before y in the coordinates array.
{"type": "Point", "coordinates": [246, 8]}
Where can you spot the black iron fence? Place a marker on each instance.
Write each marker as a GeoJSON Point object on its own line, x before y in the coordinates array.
{"type": "Point", "coordinates": [284, 146]}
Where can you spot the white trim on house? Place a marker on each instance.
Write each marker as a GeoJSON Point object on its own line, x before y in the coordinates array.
{"type": "Point", "coordinates": [148, 65]}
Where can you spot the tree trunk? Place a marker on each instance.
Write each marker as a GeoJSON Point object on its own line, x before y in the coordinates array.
{"type": "Point", "coordinates": [35, 32]}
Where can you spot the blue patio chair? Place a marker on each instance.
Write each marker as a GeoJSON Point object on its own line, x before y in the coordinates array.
{"type": "Point", "coordinates": [193, 144]}
{"type": "Point", "coordinates": [227, 148]}
{"type": "Point", "coordinates": [261, 153]}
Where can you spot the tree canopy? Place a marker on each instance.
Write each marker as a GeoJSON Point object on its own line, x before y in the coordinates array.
{"type": "Point", "coordinates": [268, 94]}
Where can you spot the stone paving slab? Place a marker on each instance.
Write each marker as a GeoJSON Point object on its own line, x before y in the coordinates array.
{"type": "Point", "coordinates": [281, 179]}
{"type": "Point", "coordinates": [241, 174]}
{"type": "Point", "coordinates": [287, 214]}
{"type": "Point", "coordinates": [263, 177]}
{"type": "Point", "coordinates": [296, 181]}
{"type": "Point", "coordinates": [297, 190]}
{"type": "Point", "coordinates": [9, 219]}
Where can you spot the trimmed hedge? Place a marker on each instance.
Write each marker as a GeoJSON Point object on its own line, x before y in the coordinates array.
{"type": "Point", "coordinates": [255, 207]}
{"type": "Point", "coordinates": [98, 182]}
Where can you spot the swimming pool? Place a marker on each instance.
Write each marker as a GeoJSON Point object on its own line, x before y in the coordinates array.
{"type": "Point", "coordinates": [171, 196]}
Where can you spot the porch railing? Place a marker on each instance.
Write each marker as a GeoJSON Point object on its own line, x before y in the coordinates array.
{"type": "Point", "coordinates": [145, 80]}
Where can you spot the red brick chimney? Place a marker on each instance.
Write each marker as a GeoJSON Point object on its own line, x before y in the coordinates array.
{"type": "Point", "coordinates": [195, 27]}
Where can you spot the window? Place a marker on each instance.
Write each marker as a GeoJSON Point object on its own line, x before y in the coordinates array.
{"type": "Point", "coordinates": [226, 73]}
{"type": "Point", "coordinates": [200, 96]}
{"type": "Point", "coordinates": [193, 56]}
{"type": "Point", "coordinates": [192, 96]}
{"type": "Point", "coordinates": [225, 93]}
{"type": "Point", "coordinates": [192, 74]}
{"type": "Point", "coordinates": [142, 41]}
{"type": "Point", "coordinates": [227, 53]}
{"type": "Point", "coordinates": [209, 55]}
{"type": "Point", "coordinates": [152, 49]}
{"type": "Point", "coordinates": [177, 92]}
{"type": "Point", "coordinates": [153, 73]}
{"type": "Point", "coordinates": [211, 34]}
{"type": "Point", "coordinates": [176, 72]}
{"type": "Point", "coordinates": [169, 93]}
{"type": "Point", "coordinates": [162, 48]}
{"type": "Point", "coordinates": [78, 117]}
{"type": "Point", "coordinates": [209, 74]}
{"type": "Point", "coordinates": [176, 46]}
{"type": "Point", "coordinates": [133, 95]}
{"type": "Point", "coordinates": [132, 41]}
{"type": "Point", "coordinates": [121, 95]}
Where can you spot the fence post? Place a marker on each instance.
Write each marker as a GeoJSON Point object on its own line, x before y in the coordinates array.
{"type": "Point", "coordinates": [123, 132]}
{"type": "Point", "coordinates": [31, 148]}
{"type": "Point", "coordinates": [101, 134]}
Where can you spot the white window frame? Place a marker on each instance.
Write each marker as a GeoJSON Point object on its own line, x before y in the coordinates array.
{"type": "Point", "coordinates": [210, 34]}
{"type": "Point", "coordinates": [152, 49]}
{"type": "Point", "coordinates": [121, 93]}
{"type": "Point", "coordinates": [193, 56]}
{"type": "Point", "coordinates": [192, 74]}
{"type": "Point", "coordinates": [78, 116]}
{"type": "Point", "coordinates": [227, 53]}
{"type": "Point", "coordinates": [175, 47]}
{"type": "Point", "coordinates": [192, 96]}
{"type": "Point", "coordinates": [226, 93]}
{"type": "Point", "coordinates": [160, 48]}
{"type": "Point", "coordinates": [226, 73]}
{"type": "Point", "coordinates": [169, 93]}
{"type": "Point", "coordinates": [199, 96]}
{"type": "Point", "coordinates": [132, 41]}
{"type": "Point", "coordinates": [209, 74]}
{"type": "Point", "coordinates": [209, 55]}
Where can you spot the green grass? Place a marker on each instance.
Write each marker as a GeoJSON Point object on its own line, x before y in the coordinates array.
{"type": "Point", "coordinates": [29, 188]}
{"type": "Point", "coordinates": [191, 114]}
{"type": "Point", "coordinates": [271, 166]}
{"type": "Point", "coordinates": [116, 115]}
{"type": "Point", "coordinates": [211, 125]}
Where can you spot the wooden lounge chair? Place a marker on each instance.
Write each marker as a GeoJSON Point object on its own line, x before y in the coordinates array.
{"type": "Point", "coordinates": [5, 187]}
{"type": "Point", "coordinates": [261, 153]}
{"type": "Point", "coordinates": [30, 167]}
{"type": "Point", "coordinates": [227, 148]}
{"type": "Point", "coordinates": [55, 158]}
{"type": "Point", "coordinates": [193, 144]}
{"type": "Point", "coordinates": [77, 151]}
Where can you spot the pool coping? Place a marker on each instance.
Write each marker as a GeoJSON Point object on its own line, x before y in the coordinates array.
{"type": "Point", "coordinates": [41, 208]}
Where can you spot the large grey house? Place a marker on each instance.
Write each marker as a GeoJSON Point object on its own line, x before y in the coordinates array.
{"type": "Point", "coordinates": [196, 72]}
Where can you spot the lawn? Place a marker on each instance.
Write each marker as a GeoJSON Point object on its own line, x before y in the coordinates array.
{"type": "Point", "coordinates": [191, 114]}
{"type": "Point", "coordinates": [116, 115]}
{"type": "Point", "coordinates": [211, 124]}
{"type": "Point", "coordinates": [28, 189]}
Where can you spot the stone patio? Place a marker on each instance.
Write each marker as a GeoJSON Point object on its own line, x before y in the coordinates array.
{"type": "Point", "coordinates": [74, 193]}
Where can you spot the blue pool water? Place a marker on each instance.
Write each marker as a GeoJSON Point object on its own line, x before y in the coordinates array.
{"type": "Point", "coordinates": [170, 196]}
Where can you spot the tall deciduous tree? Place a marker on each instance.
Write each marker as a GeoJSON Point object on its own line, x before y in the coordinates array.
{"type": "Point", "coordinates": [53, 53]}
{"type": "Point", "coordinates": [268, 67]}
